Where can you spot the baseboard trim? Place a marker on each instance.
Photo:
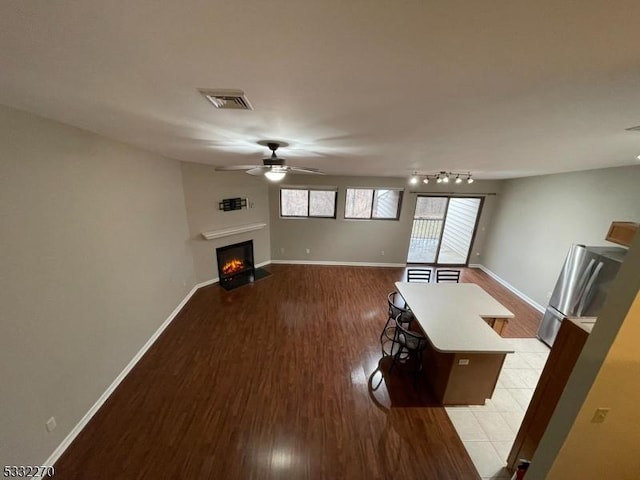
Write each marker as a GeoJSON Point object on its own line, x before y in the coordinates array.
{"type": "Point", "coordinates": [111, 388]}
{"type": "Point", "coordinates": [510, 287]}
{"type": "Point", "coordinates": [53, 458]}
{"type": "Point", "coordinates": [332, 263]}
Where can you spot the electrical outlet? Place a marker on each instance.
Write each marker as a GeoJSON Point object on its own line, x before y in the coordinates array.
{"type": "Point", "coordinates": [382, 253]}
{"type": "Point", "coordinates": [308, 251]}
{"type": "Point", "coordinates": [463, 361]}
{"type": "Point", "coordinates": [600, 415]}
{"type": "Point", "coordinates": [281, 249]}
{"type": "Point", "coordinates": [51, 424]}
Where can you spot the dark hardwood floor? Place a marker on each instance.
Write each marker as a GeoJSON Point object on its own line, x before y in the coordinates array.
{"type": "Point", "coordinates": [279, 379]}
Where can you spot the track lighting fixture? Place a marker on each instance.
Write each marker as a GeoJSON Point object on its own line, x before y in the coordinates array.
{"type": "Point", "coordinates": [441, 177]}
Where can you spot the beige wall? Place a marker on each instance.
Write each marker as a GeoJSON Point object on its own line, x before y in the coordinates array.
{"type": "Point", "coordinates": [93, 259]}
{"type": "Point", "coordinates": [340, 240]}
{"type": "Point", "coordinates": [609, 450]}
{"type": "Point", "coordinates": [607, 374]}
{"type": "Point", "coordinates": [204, 188]}
{"type": "Point", "coordinates": [538, 218]}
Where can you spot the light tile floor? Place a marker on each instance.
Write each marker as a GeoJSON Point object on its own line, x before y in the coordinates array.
{"type": "Point", "coordinates": [488, 431]}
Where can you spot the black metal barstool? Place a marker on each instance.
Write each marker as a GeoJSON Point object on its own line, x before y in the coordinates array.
{"type": "Point", "coordinates": [411, 343]}
{"type": "Point", "coordinates": [399, 314]}
{"type": "Point", "coordinates": [447, 275]}
{"type": "Point", "coordinates": [419, 275]}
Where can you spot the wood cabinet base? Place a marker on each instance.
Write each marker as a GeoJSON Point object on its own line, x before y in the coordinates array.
{"type": "Point", "coordinates": [462, 378]}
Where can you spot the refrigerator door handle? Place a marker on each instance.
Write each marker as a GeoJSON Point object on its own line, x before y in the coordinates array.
{"type": "Point", "coordinates": [587, 291]}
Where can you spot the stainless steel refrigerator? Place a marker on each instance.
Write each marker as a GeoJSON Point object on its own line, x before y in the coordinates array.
{"type": "Point", "coordinates": [582, 286]}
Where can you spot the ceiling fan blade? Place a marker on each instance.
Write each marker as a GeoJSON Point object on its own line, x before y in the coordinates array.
{"type": "Point", "coordinates": [230, 168]}
{"type": "Point", "coordinates": [304, 171]}
{"type": "Point", "coordinates": [258, 170]}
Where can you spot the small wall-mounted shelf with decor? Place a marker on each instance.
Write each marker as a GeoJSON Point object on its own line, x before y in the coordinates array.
{"type": "Point", "coordinates": [230, 204]}
{"type": "Point", "coordinates": [226, 232]}
{"type": "Point", "coordinates": [622, 233]}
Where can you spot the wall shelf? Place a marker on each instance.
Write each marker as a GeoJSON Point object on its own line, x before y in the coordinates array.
{"type": "Point", "coordinates": [226, 232]}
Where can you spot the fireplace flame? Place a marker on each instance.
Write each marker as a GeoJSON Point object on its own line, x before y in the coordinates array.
{"type": "Point", "coordinates": [232, 266]}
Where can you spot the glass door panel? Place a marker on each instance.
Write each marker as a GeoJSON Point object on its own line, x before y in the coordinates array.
{"type": "Point", "coordinates": [427, 229]}
{"type": "Point", "coordinates": [458, 231]}
{"type": "Point", "coordinates": [443, 230]}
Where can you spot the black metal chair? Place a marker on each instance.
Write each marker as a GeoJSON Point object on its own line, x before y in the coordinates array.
{"type": "Point", "coordinates": [399, 314]}
{"type": "Point", "coordinates": [446, 275]}
{"type": "Point", "coordinates": [418, 275]}
{"type": "Point", "coordinates": [412, 344]}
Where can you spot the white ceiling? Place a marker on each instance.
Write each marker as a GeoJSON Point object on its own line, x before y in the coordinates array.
{"type": "Point", "coordinates": [504, 88]}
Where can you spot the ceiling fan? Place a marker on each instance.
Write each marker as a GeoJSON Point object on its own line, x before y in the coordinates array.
{"type": "Point", "coordinates": [273, 168]}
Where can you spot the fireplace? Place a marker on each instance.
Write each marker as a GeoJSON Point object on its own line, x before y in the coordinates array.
{"type": "Point", "coordinates": [235, 264]}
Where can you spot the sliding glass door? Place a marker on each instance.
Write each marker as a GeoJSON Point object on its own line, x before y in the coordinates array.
{"type": "Point", "coordinates": [443, 230]}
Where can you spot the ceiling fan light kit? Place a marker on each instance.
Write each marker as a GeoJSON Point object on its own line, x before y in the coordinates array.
{"type": "Point", "coordinates": [273, 168]}
{"type": "Point", "coordinates": [441, 177]}
{"type": "Point", "coordinates": [275, 174]}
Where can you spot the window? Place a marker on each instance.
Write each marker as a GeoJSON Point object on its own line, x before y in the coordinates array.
{"type": "Point", "coordinates": [369, 203]}
{"type": "Point", "coordinates": [298, 202]}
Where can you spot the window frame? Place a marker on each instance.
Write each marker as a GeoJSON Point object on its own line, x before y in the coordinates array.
{"type": "Point", "coordinates": [373, 198]}
{"type": "Point", "coordinates": [309, 190]}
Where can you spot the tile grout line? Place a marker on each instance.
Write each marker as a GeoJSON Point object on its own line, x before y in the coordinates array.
{"type": "Point", "coordinates": [536, 351]}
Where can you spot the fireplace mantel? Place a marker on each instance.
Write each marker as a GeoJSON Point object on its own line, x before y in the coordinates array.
{"type": "Point", "coordinates": [226, 232]}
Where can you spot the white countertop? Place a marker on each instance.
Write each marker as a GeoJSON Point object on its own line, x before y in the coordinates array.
{"type": "Point", "coordinates": [450, 314]}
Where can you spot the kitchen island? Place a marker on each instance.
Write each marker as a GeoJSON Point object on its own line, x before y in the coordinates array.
{"type": "Point", "coordinates": [465, 354]}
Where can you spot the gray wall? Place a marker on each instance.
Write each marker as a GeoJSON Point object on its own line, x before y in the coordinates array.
{"type": "Point", "coordinates": [538, 218]}
{"type": "Point", "coordinates": [204, 188]}
{"type": "Point", "coordinates": [93, 260]}
{"type": "Point", "coordinates": [341, 240]}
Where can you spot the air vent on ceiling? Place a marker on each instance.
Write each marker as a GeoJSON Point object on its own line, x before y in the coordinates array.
{"type": "Point", "coordinates": [633, 129]}
{"type": "Point", "coordinates": [231, 99]}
